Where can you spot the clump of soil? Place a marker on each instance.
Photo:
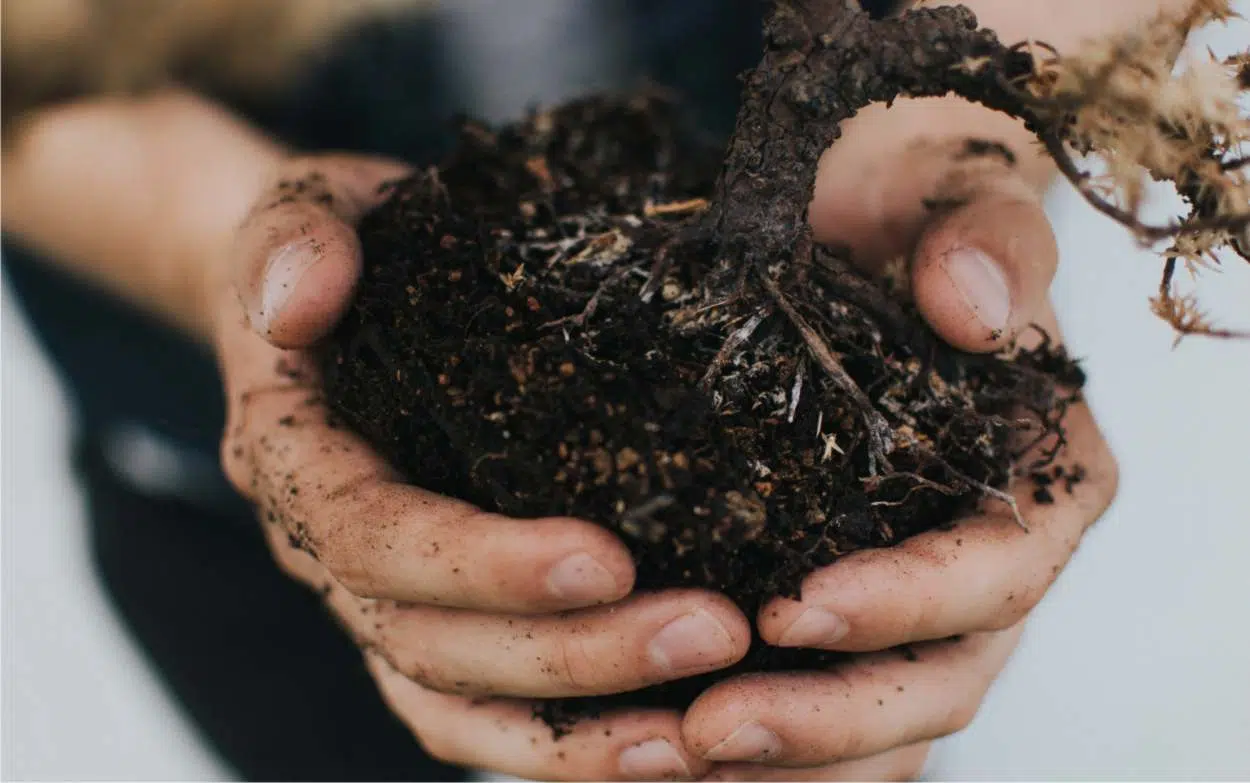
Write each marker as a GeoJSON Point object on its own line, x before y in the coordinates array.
{"type": "Point", "coordinates": [580, 315]}
{"type": "Point", "coordinates": [511, 345]}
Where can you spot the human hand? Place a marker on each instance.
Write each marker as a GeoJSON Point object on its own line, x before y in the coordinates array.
{"type": "Point", "coordinates": [975, 582]}
{"type": "Point", "coordinates": [953, 190]}
{"type": "Point", "coordinates": [446, 598]}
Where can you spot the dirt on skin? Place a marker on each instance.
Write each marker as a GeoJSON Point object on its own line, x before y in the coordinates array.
{"type": "Point", "coordinates": [542, 330]}
{"type": "Point", "coordinates": [586, 314]}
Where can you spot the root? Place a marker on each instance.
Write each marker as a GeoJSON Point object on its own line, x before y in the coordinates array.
{"type": "Point", "coordinates": [735, 341]}
{"type": "Point", "coordinates": [880, 434]}
{"type": "Point", "coordinates": [1145, 232]}
{"type": "Point", "coordinates": [997, 494]}
{"type": "Point", "coordinates": [579, 320]}
{"type": "Point", "coordinates": [920, 482]}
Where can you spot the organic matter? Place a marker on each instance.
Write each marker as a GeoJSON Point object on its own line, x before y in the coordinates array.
{"type": "Point", "coordinates": [586, 314]}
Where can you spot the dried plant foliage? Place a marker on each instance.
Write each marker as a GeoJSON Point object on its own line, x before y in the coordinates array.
{"type": "Point", "coordinates": [1125, 100]}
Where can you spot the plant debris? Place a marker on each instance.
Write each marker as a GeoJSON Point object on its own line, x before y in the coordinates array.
{"type": "Point", "coordinates": [587, 314]}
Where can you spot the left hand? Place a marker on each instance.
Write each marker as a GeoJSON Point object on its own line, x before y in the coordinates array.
{"type": "Point", "coordinates": [979, 271]}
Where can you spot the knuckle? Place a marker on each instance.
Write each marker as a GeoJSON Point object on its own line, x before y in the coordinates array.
{"type": "Point", "coordinates": [909, 765]}
{"type": "Point", "coordinates": [344, 550]}
{"type": "Point", "coordinates": [918, 621]}
{"type": "Point", "coordinates": [904, 621]}
{"type": "Point", "coordinates": [959, 717]}
{"type": "Point", "coordinates": [290, 559]}
{"type": "Point", "coordinates": [349, 573]}
{"type": "Point", "coordinates": [1107, 483]}
{"type": "Point", "coordinates": [415, 659]}
{"type": "Point", "coordinates": [409, 661]}
{"type": "Point", "coordinates": [235, 464]}
{"type": "Point", "coordinates": [848, 744]}
{"type": "Point", "coordinates": [345, 533]}
{"type": "Point", "coordinates": [441, 745]}
{"type": "Point", "coordinates": [412, 664]}
{"type": "Point", "coordinates": [1013, 613]}
{"type": "Point", "coordinates": [571, 667]}
{"type": "Point", "coordinates": [1021, 600]}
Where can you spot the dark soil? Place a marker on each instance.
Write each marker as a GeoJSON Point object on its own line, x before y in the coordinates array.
{"type": "Point", "coordinates": [546, 327]}
{"type": "Point", "coordinates": [587, 314]}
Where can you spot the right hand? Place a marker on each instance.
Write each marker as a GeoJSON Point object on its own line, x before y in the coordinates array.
{"type": "Point", "coordinates": [449, 601]}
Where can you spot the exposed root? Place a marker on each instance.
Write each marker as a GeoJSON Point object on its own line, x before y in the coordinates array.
{"type": "Point", "coordinates": [997, 494]}
{"type": "Point", "coordinates": [733, 342]}
{"type": "Point", "coordinates": [579, 320]}
{"type": "Point", "coordinates": [880, 434]}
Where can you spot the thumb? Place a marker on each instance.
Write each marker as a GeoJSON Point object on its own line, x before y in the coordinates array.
{"type": "Point", "coordinates": [297, 257]}
{"type": "Point", "coordinates": [955, 189]}
{"type": "Point", "coordinates": [982, 267]}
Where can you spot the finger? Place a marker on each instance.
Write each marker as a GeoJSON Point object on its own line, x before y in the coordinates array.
{"type": "Point", "coordinates": [382, 538]}
{"type": "Point", "coordinates": [985, 573]}
{"type": "Point", "coordinates": [641, 641]}
{"type": "Point", "coordinates": [294, 561]}
{"type": "Point", "coordinates": [297, 254]}
{"type": "Point", "coordinates": [504, 737]}
{"type": "Point", "coordinates": [860, 709]}
{"type": "Point", "coordinates": [905, 763]}
{"type": "Point", "coordinates": [954, 188]}
{"type": "Point", "coordinates": [983, 266]}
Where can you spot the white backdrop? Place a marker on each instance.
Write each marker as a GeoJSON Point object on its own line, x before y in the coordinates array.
{"type": "Point", "coordinates": [1133, 667]}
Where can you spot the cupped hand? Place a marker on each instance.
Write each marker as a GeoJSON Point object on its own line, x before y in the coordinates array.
{"type": "Point", "coordinates": [447, 599]}
{"type": "Point", "coordinates": [952, 193]}
{"type": "Point", "coordinates": [957, 598]}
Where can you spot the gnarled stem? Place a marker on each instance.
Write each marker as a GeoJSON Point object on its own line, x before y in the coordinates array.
{"type": "Point", "coordinates": [825, 60]}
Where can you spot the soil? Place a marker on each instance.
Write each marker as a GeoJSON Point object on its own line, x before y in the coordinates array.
{"type": "Point", "coordinates": [568, 317]}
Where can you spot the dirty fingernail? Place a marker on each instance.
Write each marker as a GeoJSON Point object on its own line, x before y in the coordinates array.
{"type": "Point", "coordinates": [580, 577]}
{"type": "Point", "coordinates": [816, 627]}
{"type": "Point", "coordinates": [696, 641]}
{"type": "Point", "coordinates": [286, 266]}
{"type": "Point", "coordinates": [655, 759]}
{"type": "Point", "coordinates": [983, 286]}
{"type": "Point", "coordinates": [749, 742]}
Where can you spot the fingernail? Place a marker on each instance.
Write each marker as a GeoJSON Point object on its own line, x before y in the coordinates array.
{"type": "Point", "coordinates": [983, 286]}
{"type": "Point", "coordinates": [580, 577]}
{"type": "Point", "coordinates": [816, 627]}
{"type": "Point", "coordinates": [696, 641]}
{"type": "Point", "coordinates": [655, 759]}
{"type": "Point", "coordinates": [286, 266]}
{"type": "Point", "coordinates": [749, 742]}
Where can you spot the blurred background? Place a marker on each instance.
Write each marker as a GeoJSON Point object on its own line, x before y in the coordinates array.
{"type": "Point", "coordinates": [1133, 667]}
